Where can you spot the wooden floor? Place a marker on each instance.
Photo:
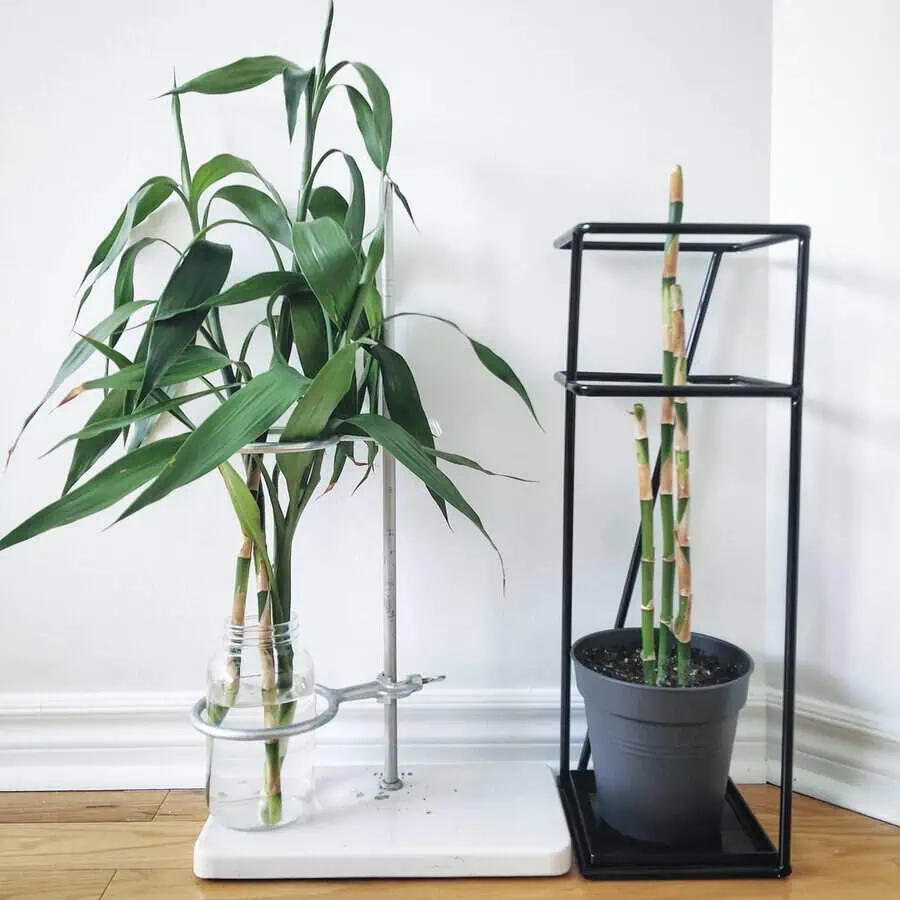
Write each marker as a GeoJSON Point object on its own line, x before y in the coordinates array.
{"type": "Point", "coordinates": [137, 844]}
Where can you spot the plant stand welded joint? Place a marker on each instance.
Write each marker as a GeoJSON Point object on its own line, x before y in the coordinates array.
{"type": "Point", "coordinates": [761, 859]}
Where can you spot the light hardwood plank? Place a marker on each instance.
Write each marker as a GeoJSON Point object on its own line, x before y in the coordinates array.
{"type": "Point", "coordinates": [100, 845]}
{"type": "Point", "coordinates": [187, 805]}
{"type": "Point", "coordinates": [838, 856]}
{"type": "Point", "coordinates": [180, 885]}
{"type": "Point", "coordinates": [54, 885]}
{"type": "Point", "coordinates": [79, 806]}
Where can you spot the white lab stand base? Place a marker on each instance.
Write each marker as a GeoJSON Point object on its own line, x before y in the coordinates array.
{"type": "Point", "coordinates": [447, 821]}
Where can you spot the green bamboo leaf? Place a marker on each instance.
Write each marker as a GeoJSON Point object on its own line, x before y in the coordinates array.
{"type": "Point", "coordinates": [123, 292]}
{"type": "Point", "coordinates": [401, 394]}
{"type": "Point", "coordinates": [246, 414]}
{"type": "Point", "coordinates": [331, 203]}
{"type": "Point", "coordinates": [113, 355]}
{"type": "Point", "coordinates": [309, 419]}
{"type": "Point", "coordinates": [222, 166]}
{"type": "Point", "coordinates": [89, 450]}
{"type": "Point", "coordinates": [103, 490]}
{"type": "Point", "coordinates": [458, 460]}
{"type": "Point", "coordinates": [241, 75]}
{"type": "Point", "coordinates": [295, 81]}
{"type": "Point", "coordinates": [374, 256]}
{"type": "Point", "coordinates": [200, 274]}
{"type": "Point", "coordinates": [116, 423]}
{"type": "Point", "coordinates": [326, 202]}
{"type": "Point", "coordinates": [410, 453]}
{"type": "Point", "coordinates": [263, 284]}
{"type": "Point", "coordinates": [365, 122]}
{"type": "Point", "coordinates": [368, 302]}
{"type": "Point", "coordinates": [405, 202]}
{"type": "Point", "coordinates": [248, 514]}
{"type": "Point", "coordinates": [313, 411]}
{"type": "Point", "coordinates": [245, 346]}
{"type": "Point", "coordinates": [342, 453]}
{"type": "Point", "coordinates": [310, 335]}
{"type": "Point", "coordinates": [373, 117]}
{"type": "Point", "coordinates": [78, 355]}
{"type": "Point", "coordinates": [145, 200]}
{"type": "Point", "coordinates": [259, 209]}
{"type": "Point", "coordinates": [179, 129]}
{"type": "Point", "coordinates": [193, 362]}
{"type": "Point", "coordinates": [329, 263]}
{"type": "Point", "coordinates": [144, 426]}
{"type": "Point", "coordinates": [355, 219]}
{"type": "Point", "coordinates": [381, 108]}
{"type": "Point", "coordinates": [495, 364]}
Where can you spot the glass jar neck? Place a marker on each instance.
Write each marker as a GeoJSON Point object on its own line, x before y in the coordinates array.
{"type": "Point", "coordinates": [255, 633]}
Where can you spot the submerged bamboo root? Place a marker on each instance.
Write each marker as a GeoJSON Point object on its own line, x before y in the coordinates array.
{"type": "Point", "coordinates": [683, 512]}
{"type": "Point", "coordinates": [667, 428]}
{"type": "Point", "coordinates": [648, 552]}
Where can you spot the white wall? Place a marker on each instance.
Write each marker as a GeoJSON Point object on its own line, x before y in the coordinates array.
{"type": "Point", "coordinates": [513, 121]}
{"type": "Point", "coordinates": [835, 134]}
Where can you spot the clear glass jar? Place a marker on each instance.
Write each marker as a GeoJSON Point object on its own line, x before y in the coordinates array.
{"type": "Point", "coordinates": [260, 678]}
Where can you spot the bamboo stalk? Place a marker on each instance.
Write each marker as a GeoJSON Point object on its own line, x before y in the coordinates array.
{"type": "Point", "coordinates": [238, 610]}
{"type": "Point", "coordinates": [648, 552]}
{"type": "Point", "coordinates": [216, 712]}
{"type": "Point", "coordinates": [667, 428]}
{"type": "Point", "coordinates": [270, 808]}
{"type": "Point", "coordinates": [683, 512]}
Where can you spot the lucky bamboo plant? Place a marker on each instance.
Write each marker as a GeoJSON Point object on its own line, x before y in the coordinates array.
{"type": "Point", "coordinates": [321, 316]}
{"type": "Point", "coordinates": [674, 472]}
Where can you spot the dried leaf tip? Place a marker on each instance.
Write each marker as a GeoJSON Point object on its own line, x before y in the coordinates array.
{"type": "Point", "coordinates": [75, 392]}
{"type": "Point", "coordinates": [676, 185]}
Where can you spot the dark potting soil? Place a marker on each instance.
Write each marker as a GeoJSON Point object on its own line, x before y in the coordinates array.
{"type": "Point", "coordinates": [624, 664]}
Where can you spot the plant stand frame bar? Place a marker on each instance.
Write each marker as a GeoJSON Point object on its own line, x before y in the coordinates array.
{"type": "Point", "coordinates": [742, 849]}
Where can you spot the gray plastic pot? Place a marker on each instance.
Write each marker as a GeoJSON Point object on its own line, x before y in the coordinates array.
{"type": "Point", "coordinates": [661, 754]}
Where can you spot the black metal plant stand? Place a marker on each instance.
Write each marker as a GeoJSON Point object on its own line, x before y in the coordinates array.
{"type": "Point", "coordinates": [741, 849]}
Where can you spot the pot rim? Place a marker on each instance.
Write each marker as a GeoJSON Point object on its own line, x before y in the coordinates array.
{"type": "Point", "coordinates": [655, 687]}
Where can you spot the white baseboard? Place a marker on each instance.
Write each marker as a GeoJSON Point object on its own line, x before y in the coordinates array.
{"type": "Point", "coordinates": [144, 740]}
{"type": "Point", "coordinates": [841, 756]}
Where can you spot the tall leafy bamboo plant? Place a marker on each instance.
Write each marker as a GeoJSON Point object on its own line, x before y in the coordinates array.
{"type": "Point", "coordinates": [674, 468]}
{"type": "Point", "coordinates": [323, 318]}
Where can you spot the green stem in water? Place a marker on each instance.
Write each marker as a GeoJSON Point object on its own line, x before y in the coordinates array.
{"type": "Point", "coordinates": [683, 512]}
{"type": "Point", "coordinates": [270, 804]}
{"type": "Point", "coordinates": [648, 552]}
{"type": "Point", "coordinates": [667, 429]}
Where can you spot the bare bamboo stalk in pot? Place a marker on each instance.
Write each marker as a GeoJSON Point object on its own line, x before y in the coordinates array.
{"type": "Point", "coordinates": [667, 428]}
{"type": "Point", "coordinates": [683, 511]}
{"type": "Point", "coordinates": [648, 551]}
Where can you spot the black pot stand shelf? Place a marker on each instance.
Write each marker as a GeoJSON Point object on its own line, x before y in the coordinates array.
{"type": "Point", "coordinates": [742, 849]}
